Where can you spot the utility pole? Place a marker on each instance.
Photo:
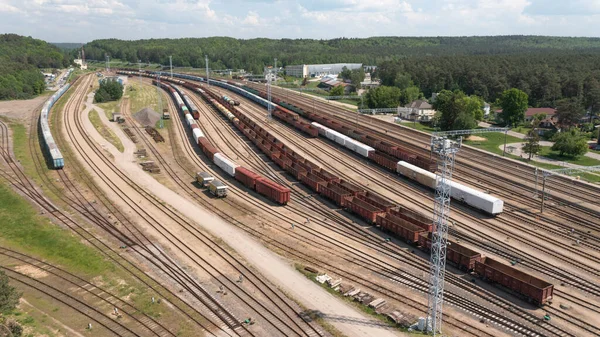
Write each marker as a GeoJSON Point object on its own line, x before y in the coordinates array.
{"type": "Point", "coordinates": [161, 125]}
{"type": "Point", "coordinates": [206, 61]}
{"type": "Point", "coordinates": [447, 150]}
{"type": "Point", "coordinates": [140, 71]}
{"type": "Point", "coordinates": [171, 64]}
{"type": "Point", "coordinates": [275, 69]}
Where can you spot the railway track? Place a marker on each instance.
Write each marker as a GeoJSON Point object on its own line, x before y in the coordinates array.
{"type": "Point", "coordinates": [419, 142]}
{"type": "Point", "coordinates": [230, 94]}
{"type": "Point", "coordinates": [252, 231]}
{"type": "Point", "coordinates": [244, 296]}
{"type": "Point", "coordinates": [584, 286]}
{"type": "Point", "coordinates": [86, 292]}
{"type": "Point", "coordinates": [213, 245]}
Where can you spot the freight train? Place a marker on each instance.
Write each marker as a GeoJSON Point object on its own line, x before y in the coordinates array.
{"type": "Point", "coordinates": [256, 182]}
{"type": "Point", "coordinates": [384, 154]}
{"type": "Point", "coordinates": [405, 224]}
{"type": "Point", "coordinates": [51, 152]}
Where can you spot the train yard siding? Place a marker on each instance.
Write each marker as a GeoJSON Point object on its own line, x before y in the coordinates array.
{"type": "Point", "coordinates": [51, 151]}
{"type": "Point", "coordinates": [272, 266]}
{"type": "Point", "coordinates": [371, 208]}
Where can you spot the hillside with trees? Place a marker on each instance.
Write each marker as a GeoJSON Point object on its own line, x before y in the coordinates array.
{"type": "Point", "coordinates": [547, 69]}
{"type": "Point", "coordinates": [21, 59]}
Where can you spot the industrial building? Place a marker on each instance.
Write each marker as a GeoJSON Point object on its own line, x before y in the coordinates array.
{"type": "Point", "coordinates": [315, 70]}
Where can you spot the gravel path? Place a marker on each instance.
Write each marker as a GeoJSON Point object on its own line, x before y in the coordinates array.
{"type": "Point", "coordinates": [271, 265]}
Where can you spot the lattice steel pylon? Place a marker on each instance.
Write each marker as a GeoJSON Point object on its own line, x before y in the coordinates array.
{"type": "Point", "coordinates": [446, 149]}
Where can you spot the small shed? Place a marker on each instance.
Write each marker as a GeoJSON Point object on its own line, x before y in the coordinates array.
{"type": "Point", "coordinates": [116, 116]}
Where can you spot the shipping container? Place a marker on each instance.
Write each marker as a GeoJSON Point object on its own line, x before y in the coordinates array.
{"type": "Point", "coordinates": [218, 189]}
{"type": "Point", "coordinates": [246, 177]}
{"type": "Point", "coordinates": [363, 209]}
{"type": "Point", "coordinates": [225, 163]}
{"type": "Point", "coordinates": [530, 288]}
{"type": "Point", "coordinates": [204, 178]}
{"type": "Point", "coordinates": [399, 227]}
{"type": "Point", "coordinates": [273, 191]}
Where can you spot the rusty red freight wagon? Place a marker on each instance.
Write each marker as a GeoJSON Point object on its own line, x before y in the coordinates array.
{"type": "Point", "coordinates": [326, 175]}
{"type": "Point", "coordinates": [352, 188]}
{"type": "Point", "coordinates": [334, 192]}
{"type": "Point", "coordinates": [246, 177]}
{"type": "Point", "coordinates": [377, 201]}
{"type": "Point", "coordinates": [384, 160]}
{"type": "Point", "coordinates": [363, 209]}
{"type": "Point", "coordinates": [295, 170]}
{"type": "Point", "coordinates": [273, 191]}
{"type": "Point", "coordinates": [531, 288]}
{"type": "Point", "coordinates": [399, 227]}
{"type": "Point", "coordinates": [311, 180]}
{"type": "Point", "coordinates": [460, 256]}
{"type": "Point", "coordinates": [414, 217]}
{"type": "Point", "coordinates": [207, 147]}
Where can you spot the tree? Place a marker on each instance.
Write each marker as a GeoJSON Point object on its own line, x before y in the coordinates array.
{"type": "Point", "coordinates": [9, 296]}
{"type": "Point", "coordinates": [109, 90]}
{"type": "Point", "coordinates": [514, 104]}
{"type": "Point", "coordinates": [570, 143]}
{"type": "Point", "coordinates": [383, 97]}
{"type": "Point", "coordinates": [457, 110]}
{"type": "Point", "coordinates": [569, 112]}
{"type": "Point", "coordinates": [337, 91]}
{"type": "Point", "coordinates": [411, 94]}
{"type": "Point", "coordinates": [357, 76]}
{"type": "Point", "coordinates": [304, 81]}
{"type": "Point", "coordinates": [591, 96]}
{"type": "Point", "coordinates": [532, 144]}
{"type": "Point", "coordinates": [346, 73]}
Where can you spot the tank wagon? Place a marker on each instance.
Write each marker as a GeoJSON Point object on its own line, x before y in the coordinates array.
{"type": "Point", "coordinates": [51, 152]}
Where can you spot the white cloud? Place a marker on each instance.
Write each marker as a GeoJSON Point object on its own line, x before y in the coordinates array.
{"type": "Point", "coordinates": [84, 20]}
{"type": "Point", "coordinates": [252, 19]}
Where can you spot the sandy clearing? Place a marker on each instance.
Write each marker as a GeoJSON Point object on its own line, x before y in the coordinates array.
{"type": "Point", "coordinates": [21, 109]}
{"type": "Point", "coordinates": [32, 271]}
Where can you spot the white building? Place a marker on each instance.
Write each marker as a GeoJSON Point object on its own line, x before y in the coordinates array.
{"type": "Point", "coordinates": [315, 70]}
{"type": "Point", "coordinates": [419, 109]}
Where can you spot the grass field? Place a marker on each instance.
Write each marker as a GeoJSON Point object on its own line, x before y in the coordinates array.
{"type": "Point", "coordinates": [107, 133]}
{"type": "Point", "coordinates": [23, 229]}
{"type": "Point", "coordinates": [493, 142]}
{"type": "Point", "coordinates": [142, 96]}
{"type": "Point", "coordinates": [555, 155]}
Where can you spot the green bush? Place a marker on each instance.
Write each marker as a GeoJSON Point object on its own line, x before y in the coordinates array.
{"type": "Point", "coordinates": [110, 90]}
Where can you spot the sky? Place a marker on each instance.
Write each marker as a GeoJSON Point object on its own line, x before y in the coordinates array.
{"type": "Point", "coordinates": [86, 20]}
